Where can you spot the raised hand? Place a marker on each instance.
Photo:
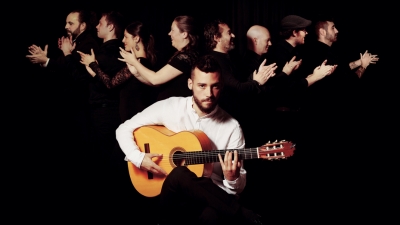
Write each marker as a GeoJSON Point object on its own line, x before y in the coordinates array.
{"type": "Point", "coordinates": [291, 66]}
{"type": "Point", "coordinates": [128, 57]}
{"type": "Point", "coordinates": [86, 59]}
{"type": "Point", "coordinates": [66, 45]}
{"type": "Point", "coordinates": [323, 70]}
{"type": "Point", "coordinates": [367, 59]}
{"type": "Point", "coordinates": [149, 165]}
{"type": "Point", "coordinates": [264, 72]}
{"type": "Point", "coordinates": [38, 56]}
{"type": "Point", "coordinates": [333, 69]}
{"type": "Point", "coordinates": [230, 168]}
{"type": "Point", "coordinates": [34, 50]}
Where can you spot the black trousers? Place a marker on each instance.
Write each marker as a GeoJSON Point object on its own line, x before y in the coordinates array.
{"type": "Point", "coordinates": [188, 199]}
{"type": "Point", "coordinates": [104, 120]}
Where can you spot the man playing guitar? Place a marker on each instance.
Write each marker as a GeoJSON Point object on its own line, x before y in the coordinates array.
{"type": "Point", "coordinates": [186, 198]}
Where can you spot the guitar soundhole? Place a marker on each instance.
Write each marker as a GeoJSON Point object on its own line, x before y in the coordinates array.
{"type": "Point", "coordinates": [178, 158]}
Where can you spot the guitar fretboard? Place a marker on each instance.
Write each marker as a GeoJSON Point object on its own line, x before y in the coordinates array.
{"type": "Point", "coordinates": [202, 157]}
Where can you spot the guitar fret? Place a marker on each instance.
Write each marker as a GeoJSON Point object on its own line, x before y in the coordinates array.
{"type": "Point", "coordinates": [202, 157]}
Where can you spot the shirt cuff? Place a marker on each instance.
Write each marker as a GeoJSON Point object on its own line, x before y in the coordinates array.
{"type": "Point", "coordinates": [136, 157]}
{"type": "Point", "coordinates": [231, 184]}
{"type": "Point", "coordinates": [46, 63]}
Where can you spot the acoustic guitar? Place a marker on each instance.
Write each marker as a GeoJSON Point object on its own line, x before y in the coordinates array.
{"type": "Point", "coordinates": [191, 149]}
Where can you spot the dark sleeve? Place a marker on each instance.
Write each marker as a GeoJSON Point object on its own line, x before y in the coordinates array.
{"type": "Point", "coordinates": [181, 62]}
{"type": "Point", "coordinates": [110, 82]}
{"type": "Point", "coordinates": [280, 57]}
{"type": "Point", "coordinates": [248, 65]}
{"type": "Point", "coordinates": [121, 77]}
{"type": "Point", "coordinates": [107, 59]}
{"type": "Point", "coordinates": [230, 82]}
{"type": "Point", "coordinates": [247, 87]}
{"type": "Point", "coordinates": [299, 84]}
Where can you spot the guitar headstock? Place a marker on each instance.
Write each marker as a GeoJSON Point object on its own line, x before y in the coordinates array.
{"type": "Point", "coordinates": [276, 150]}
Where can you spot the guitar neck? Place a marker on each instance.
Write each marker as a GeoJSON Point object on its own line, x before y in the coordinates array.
{"type": "Point", "coordinates": [202, 157]}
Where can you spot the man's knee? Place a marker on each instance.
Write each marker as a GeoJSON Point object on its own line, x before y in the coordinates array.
{"type": "Point", "coordinates": [178, 174]}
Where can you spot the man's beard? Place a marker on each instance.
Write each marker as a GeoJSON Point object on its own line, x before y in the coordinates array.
{"type": "Point", "coordinates": [203, 109]}
{"type": "Point", "coordinates": [74, 34]}
{"type": "Point", "coordinates": [231, 44]}
{"type": "Point", "coordinates": [332, 38]}
{"type": "Point", "coordinates": [228, 45]}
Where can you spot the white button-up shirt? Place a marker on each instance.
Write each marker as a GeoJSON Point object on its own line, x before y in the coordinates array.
{"type": "Point", "coordinates": [177, 114]}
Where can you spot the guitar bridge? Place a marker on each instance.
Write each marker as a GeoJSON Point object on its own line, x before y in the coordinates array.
{"type": "Point", "coordinates": [147, 150]}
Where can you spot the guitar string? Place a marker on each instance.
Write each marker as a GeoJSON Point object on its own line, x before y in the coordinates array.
{"type": "Point", "coordinates": [216, 152]}
{"type": "Point", "coordinates": [201, 156]}
{"type": "Point", "coordinates": [222, 152]}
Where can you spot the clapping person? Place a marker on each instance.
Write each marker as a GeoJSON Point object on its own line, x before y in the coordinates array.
{"type": "Point", "coordinates": [134, 95]}
{"type": "Point", "coordinates": [172, 78]}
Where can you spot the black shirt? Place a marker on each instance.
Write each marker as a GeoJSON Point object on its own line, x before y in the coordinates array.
{"type": "Point", "coordinates": [332, 91]}
{"type": "Point", "coordinates": [182, 61]}
{"type": "Point", "coordinates": [73, 78]}
{"type": "Point", "coordinates": [234, 91]}
{"type": "Point", "coordinates": [107, 57]}
{"type": "Point", "coordinates": [290, 89]}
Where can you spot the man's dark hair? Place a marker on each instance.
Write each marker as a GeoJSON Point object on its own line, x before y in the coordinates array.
{"type": "Point", "coordinates": [321, 21]}
{"type": "Point", "coordinates": [212, 30]}
{"type": "Point", "coordinates": [117, 20]}
{"type": "Point", "coordinates": [207, 64]}
{"type": "Point", "coordinates": [286, 34]}
{"type": "Point", "coordinates": [88, 17]}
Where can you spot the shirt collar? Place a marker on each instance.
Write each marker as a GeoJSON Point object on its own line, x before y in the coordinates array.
{"type": "Point", "coordinates": [189, 105]}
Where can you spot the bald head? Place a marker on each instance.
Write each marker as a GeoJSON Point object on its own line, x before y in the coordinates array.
{"type": "Point", "coordinates": [258, 39]}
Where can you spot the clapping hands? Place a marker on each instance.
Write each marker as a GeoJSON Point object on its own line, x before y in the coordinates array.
{"type": "Point", "coordinates": [86, 59]}
{"type": "Point", "coordinates": [368, 58]}
{"type": "Point", "coordinates": [37, 55]}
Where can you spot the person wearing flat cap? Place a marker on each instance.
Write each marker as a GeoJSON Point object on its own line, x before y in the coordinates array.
{"type": "Point", "coordinates": [288, 98]}
{"type": "Point", "coordinates": [289, 49]}
{"type": "Point", "coordinates": [293, 32]}
{"type": "Point", "coordinates": [338, 89]}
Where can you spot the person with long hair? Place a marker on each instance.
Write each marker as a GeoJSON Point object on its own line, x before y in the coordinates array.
{"type": "Point", "coordinates": [134, 95]}
{"type": "Point", "coordinates": [172, 78]}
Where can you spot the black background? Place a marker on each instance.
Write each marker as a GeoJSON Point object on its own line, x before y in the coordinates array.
{"type": "Point", "coordinates": [34, 132]}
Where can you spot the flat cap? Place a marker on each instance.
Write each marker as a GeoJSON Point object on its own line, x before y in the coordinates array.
{"type": "Point", "coordinates": [294, 22]}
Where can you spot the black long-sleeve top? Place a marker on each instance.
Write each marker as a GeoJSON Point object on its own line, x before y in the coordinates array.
{"type": "Point", "coordinates": [234, 92]}
{"type": "Point", "coordinates": [335, 89]}
{"type": "Point", "coordinates": [72, 76]}
{"type": "Point", "coordinates": [134, 96]}
{"type": "Point", "coordinates": [291, 87]}
{"type": "Point", "coordinates": [107, 58]}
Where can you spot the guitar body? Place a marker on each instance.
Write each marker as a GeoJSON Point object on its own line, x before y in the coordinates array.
{"type": "Point", "coordinates": [163, 141]}
{"type": "Point", "coordinates": [190, 149]}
